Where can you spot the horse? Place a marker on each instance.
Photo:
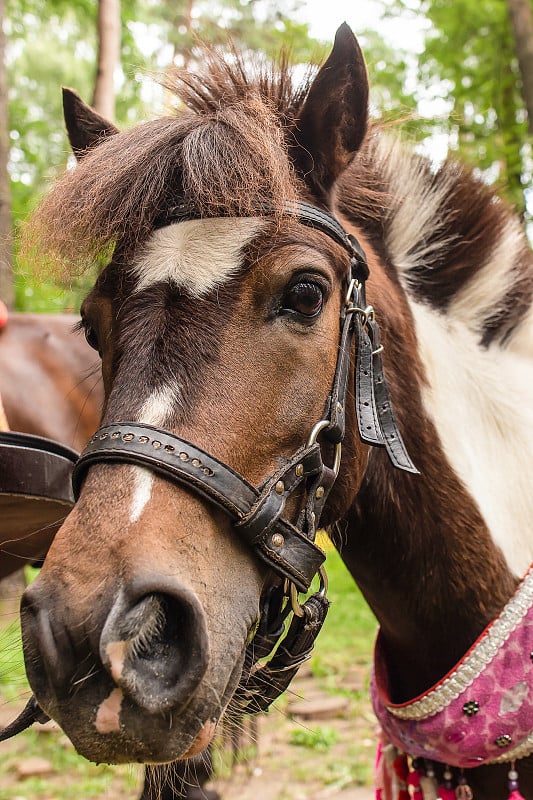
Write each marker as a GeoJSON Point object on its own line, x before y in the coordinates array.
{"type": "Point", "coordinates": [302, 322]}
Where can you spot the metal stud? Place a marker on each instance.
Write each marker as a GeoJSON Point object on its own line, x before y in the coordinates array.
{"type": "Point", "coordinates": [196, 462]}
{"type": "Point", "coordinates": [144, 439]}
{"type": "Point", "coordinates": [319, 492]}
{"type": "Point", "coordinates": [169, 448]}
{"type": "Point", "coordinates": [277, 540]}
{"type": "Point", "coordinates": [279, 487]}
{"type": "Point", "coordinates": [299, 470]}
{"type": "Point", "coordinates": [503, 741]}
{"type": "Point", "coordinates": [156, 444]}
{"type": "Point", "coordinates": [184, 456]}
{"type": "Point", "coordinates": [128, 437]}
{"type": "Point", "coordinates": [470, 708]}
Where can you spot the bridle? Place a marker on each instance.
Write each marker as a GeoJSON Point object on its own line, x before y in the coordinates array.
{"type": "Point", "coordinates": [287, 547]}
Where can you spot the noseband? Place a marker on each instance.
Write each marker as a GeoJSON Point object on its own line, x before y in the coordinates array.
{"type": "Point", "coordinates": [287, 547]}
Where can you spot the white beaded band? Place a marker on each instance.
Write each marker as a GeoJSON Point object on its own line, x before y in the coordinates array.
{"type": "Point", "coordinates": [475, 662]}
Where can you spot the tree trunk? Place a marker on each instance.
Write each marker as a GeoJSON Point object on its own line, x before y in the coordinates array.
{"type": "Point", "coordinates": [522, 24]}
{"type": "Point", "coordinates": [7, 292]}
{"type": "Point", "coordinates": [108, 30]}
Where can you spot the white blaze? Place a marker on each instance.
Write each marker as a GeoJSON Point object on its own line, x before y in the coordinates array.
{"type": "Point", "coordinates": [196, 255]}
{"type": "Point", "coordinates": [155, 410]}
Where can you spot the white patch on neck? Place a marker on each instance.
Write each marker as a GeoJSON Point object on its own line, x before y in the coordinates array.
{"type": "Point", "coordinates": [155, 410]}
{"type": "Point", "coordinates": [481, 402]}
{"type": "Point", "coordinates": [477, 300]}
{"type": "Point", "coordinates": [416, 210]}
{"type": "Point", "coordinates": [196, 255]}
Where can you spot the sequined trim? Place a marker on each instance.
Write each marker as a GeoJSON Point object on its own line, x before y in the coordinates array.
{"type": "Point", "coordinates": [475, 662]}
{"type": "Point", "coordinates": [525, 748]}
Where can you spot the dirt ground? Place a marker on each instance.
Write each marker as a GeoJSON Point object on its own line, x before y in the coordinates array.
{"type": "Point", "coordinates": [318, 745]}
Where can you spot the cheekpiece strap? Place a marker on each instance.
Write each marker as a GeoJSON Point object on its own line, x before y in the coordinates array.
{"type": "Point", "coordinates": [368, 421]}
{"type": "Point", "coordinates": [392, 438]}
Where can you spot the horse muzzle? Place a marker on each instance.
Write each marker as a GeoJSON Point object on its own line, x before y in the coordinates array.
{"type": "Point", "coordinates": [131, 683]}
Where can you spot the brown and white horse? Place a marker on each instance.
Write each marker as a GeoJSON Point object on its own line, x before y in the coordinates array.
{"type": "Point", "coordinates": [222, 326]}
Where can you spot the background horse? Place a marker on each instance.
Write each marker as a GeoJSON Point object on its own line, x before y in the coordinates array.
{"type": "Point", "coordinates": [221, 317]}
{"type": "Point", "coordinates": [50, 379]}
{"type": "Point", "coordinates": [51, 386]}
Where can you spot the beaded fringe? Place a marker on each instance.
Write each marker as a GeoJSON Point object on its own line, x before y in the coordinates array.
{"type": "Point", "coordinates": [400, 777]}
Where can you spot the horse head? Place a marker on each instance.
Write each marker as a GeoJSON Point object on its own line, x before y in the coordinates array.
{"type": "Point", "coordinates": [255, 240]}
{"type": "Point", "coordinates": [219, 320]}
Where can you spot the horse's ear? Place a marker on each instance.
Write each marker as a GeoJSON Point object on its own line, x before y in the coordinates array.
{"type": "Point", "coordinates": [85, 127]}
{"type": "Point", "coordinates": [332, 121]}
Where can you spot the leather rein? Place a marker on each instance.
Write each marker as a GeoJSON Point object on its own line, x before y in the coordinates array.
{"type": "Point", "coordinates": [287, 547]}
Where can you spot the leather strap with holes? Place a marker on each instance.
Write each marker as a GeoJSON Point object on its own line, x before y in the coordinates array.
{"type": "Point", "coordinates": [290, 553]}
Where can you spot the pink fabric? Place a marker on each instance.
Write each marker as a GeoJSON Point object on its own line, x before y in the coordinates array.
{"type": "Point", "coordinates": [502, 688]}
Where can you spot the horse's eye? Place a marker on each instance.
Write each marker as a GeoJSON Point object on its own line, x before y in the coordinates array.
{"type": "Point", "coordinates": [91, 337]}
{"type": "Point", "coordinates": [305, 298]}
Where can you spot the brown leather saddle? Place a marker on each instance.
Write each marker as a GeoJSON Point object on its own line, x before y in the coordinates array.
{"type": "Point", "coordinates": [35, 496]}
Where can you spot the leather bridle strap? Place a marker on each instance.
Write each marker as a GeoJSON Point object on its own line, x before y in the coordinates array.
{"type": "Point", "coordinates": [285, 548]}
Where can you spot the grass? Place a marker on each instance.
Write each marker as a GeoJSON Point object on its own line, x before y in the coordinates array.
{"type": "Point", "coordinates": [348, 633]}
{"type": "Point", "coordinates": [313, 753]}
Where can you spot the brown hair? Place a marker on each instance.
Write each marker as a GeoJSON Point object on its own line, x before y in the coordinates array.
{"type": "Point", "coordinates": [225, 151]}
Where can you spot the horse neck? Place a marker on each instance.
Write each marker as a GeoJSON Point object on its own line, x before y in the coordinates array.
{"type": "Point", "coordinates": [418, 546]}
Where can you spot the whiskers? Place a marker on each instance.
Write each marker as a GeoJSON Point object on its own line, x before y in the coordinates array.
{"type": "Point", "coordinates": [184, 778]}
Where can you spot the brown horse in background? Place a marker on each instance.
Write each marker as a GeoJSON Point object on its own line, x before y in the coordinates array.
{"type": "Point", "coordinates": [237, 321]}
{"type": "Point", "coordinates": [50, 380]}
{"type": "Point", "coordinates": [50, 386]}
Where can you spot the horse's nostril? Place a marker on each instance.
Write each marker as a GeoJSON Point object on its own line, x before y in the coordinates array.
{"type": "Point", "coordinates": [48, 652]}
{"type": "Point", "coordinates": [155, 647]}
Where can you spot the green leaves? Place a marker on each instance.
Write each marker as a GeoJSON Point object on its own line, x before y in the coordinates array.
{"type": "Point", "coordinates": [469, 64]}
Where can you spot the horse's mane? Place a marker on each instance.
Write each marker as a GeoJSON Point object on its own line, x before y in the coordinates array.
{"type": "Point", "coordinates": [224, 149]}
{"type": "Point", "coordinates": [443, 232]}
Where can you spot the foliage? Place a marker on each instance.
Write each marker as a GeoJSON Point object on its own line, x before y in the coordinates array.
{"type": "Point", "coordinates": [469, 88]}
{"type": "Point", "coordinates": [320, 738]}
